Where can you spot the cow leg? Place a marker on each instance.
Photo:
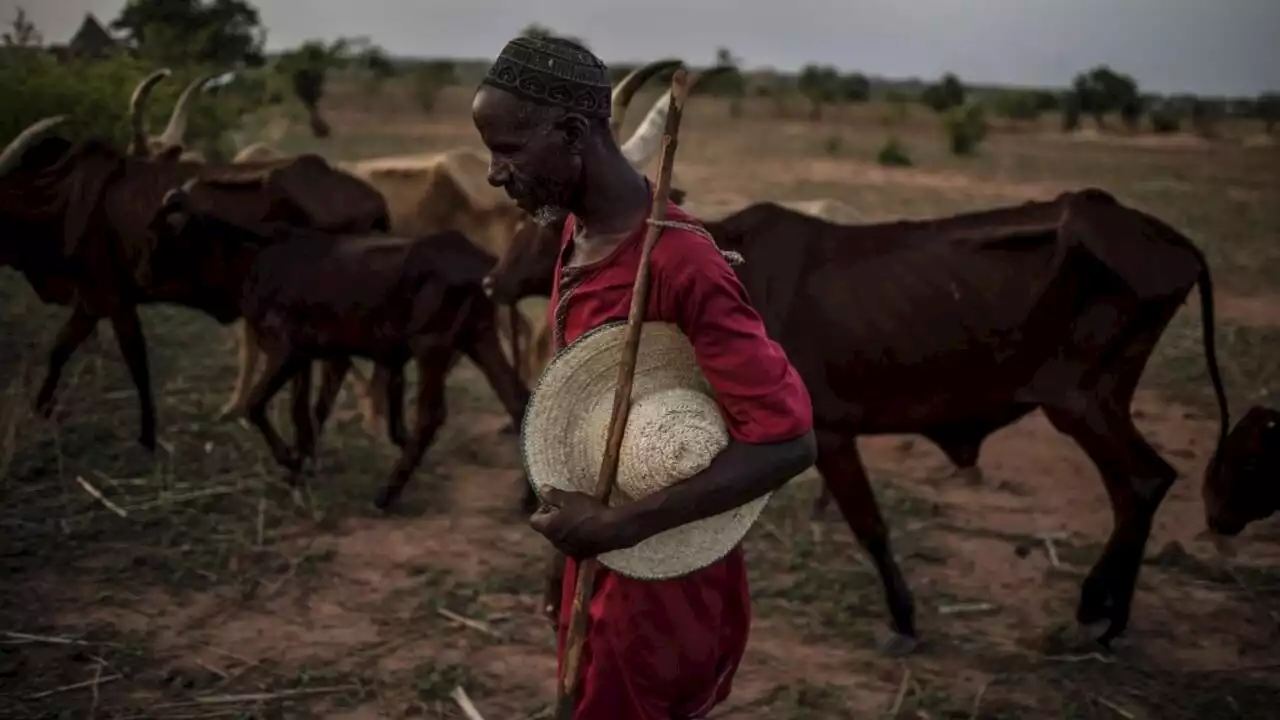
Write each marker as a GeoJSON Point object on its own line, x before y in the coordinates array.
{"type": "Point", "coordinates": [1137, 480]}
{"type": "Point", "coordinates": [333, 373]}
{"type": "Point", "coordinates": [133, 346]}
{"type": "Point", "coordinates": [842, 472]}
{"type": "Point", "coordinates": [433, 366]}
{"type": "Point", "coordinates": [247, 356]}
{"type": "Point", "coordinates": [371, 395]}
{"type": "Point", "coordinates": [394, 390]}
{"type": "Point", "coordinates": [304, 434]}
{"type": "Point", "coordinates": [485, 351]}
{"type": "Point", "coordinates": [282, 363]}
{"type": "Point", "coordinates": [74, 332]}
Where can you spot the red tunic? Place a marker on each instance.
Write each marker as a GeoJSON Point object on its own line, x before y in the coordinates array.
{"type": "Point", "coordinates": [657, 650]}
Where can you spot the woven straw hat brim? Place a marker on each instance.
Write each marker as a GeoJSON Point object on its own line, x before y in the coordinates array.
{"type": "Point", "coordinates": [577, 385]}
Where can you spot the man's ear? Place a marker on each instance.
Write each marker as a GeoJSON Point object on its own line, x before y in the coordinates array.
{"type": "Point", "coordinates": [575, 128]}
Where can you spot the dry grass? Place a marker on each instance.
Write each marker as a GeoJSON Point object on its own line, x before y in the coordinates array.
{"type": "Point", "coordinates": [207, 593]}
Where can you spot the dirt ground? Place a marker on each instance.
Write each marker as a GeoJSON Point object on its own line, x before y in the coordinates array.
{"type": "Point", "coordinates": [197, 589]}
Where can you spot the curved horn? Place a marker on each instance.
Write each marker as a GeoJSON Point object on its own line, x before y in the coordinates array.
{"type": "Point", "coordinates": [136, 103]}
{"type": "Point", "coordinates": [627, 87]}
{"type": "Point", "coordinates": [24, 140]}
{"type": "Point", "coordinates": [647, 138]}
{"type": "Point", "coordinates": [176, 131]}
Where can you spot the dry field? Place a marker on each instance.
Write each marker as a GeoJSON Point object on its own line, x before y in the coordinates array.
{"type": "Point", "coordinates": [209, 594]}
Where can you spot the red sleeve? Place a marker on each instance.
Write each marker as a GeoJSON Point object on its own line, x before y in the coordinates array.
{"type": "Point", "coordinates": [761, 394]}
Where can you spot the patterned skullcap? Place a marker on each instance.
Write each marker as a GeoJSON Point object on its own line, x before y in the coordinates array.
{"type": "Point", "coordinates": [553, 72]}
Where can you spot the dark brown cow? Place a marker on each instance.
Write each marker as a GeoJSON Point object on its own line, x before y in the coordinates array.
{"type": "Point", "coordinates": [1242, 482]}
{"type": "Point", "coordinates": [956, 327]}
{"type": "Point", "coordinates": [76, 222]}
{"type": "Point", "coordinates": [310, 295]}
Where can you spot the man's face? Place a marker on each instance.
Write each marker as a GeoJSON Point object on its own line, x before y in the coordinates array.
{"type": "Point", "coordinates": [535, 152]}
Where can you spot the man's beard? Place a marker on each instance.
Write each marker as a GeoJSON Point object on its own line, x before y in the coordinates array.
{"type": "Point", "coordinates": [547, 215]}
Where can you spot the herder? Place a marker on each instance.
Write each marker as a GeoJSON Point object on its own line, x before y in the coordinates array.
{"type": "Point", "coordinates": [720, 418]}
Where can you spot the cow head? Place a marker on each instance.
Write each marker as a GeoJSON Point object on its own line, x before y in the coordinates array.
{"type": "Point", "coordinates": [170, 145]}
{"type": "Point", "coordinates": [528, 266]}
{"type": "Point", "coordinates": [200, 259]}
{"type": "Point", "coordinates": [1242, 481]}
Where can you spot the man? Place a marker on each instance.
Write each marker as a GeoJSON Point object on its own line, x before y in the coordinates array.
{"type": "Point", "coordinates": [543, 112]}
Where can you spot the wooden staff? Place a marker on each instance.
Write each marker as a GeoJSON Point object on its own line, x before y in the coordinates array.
{"type": "Point", "coordinates": [568, 687]}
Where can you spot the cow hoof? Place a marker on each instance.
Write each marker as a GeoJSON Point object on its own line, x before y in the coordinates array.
{"type": "Point", "coordinates": [230, 411]}
{"type": "Point", "coordinates": [972, 476]}
{"type": "Point", "coordinates": [897, 645]}
{"type": "Point", "coordinates": [382, 503]}
{"type": "Point", "coordinates": [148, 442]}
{"type": "Point", "coordinates": [43, 406]}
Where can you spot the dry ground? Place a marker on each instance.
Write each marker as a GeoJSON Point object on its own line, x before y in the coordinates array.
{"type": "Point", "coordinates": [210, 595]}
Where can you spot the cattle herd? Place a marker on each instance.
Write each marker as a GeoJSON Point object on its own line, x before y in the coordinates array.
{"type": "Point", "coordinates": [1054, 305]}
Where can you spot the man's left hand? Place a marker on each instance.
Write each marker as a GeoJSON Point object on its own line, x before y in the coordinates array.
{"type": "Point", "coordinates": [578, 525]}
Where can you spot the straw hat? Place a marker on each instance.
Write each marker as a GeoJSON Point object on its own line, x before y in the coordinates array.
{"type": "Point", "coordinates": [674, 431]}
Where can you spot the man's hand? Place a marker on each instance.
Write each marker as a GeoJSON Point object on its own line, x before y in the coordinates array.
{"type": "Point", "coordinates": [578, 525]}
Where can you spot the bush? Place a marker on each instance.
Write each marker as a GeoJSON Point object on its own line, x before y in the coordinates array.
{"type": "Point", "coordinates": [1165, 120]}
{"type": "Point", "coordinates": [1017, 105]}
{"type": "Point", "coordinates": [893, 154]}
{"type": "Point", "coordinates": [95, 97]}
{"type": "Point", "coordinates": [429, 79]}
{"type": "Point", "coordinates": [966, 128]}
{"type": "Point", "coordinates": [1071, 113]}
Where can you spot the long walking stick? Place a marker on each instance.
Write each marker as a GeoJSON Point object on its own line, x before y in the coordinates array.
{"type": "Point", "coordinates": [568, 687]}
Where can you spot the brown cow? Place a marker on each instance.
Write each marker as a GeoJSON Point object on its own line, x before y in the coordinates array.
{"type": "Point", "coordinates": [170, 144]}
{"type": "Point", "coordinates": [1242, 482]}
{"type": "Point", "coordinates": [310, 295]}
{"type": "Point", "coordinates": [84, 211]}
{"type": "Point", "coordinates": [954, 328]}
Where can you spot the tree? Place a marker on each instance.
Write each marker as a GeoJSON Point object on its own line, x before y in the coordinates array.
{"type": "Point", "coordinates": [429, 79]}
{"type": "Point", "coordinates": [1267, 108]}
{"type": "Point", "coordinates": [1102, 91]}
{"type": "Point", "coordinates": [818, 83]}
{"type": "Point", "coordinates": [214, 32]}
{"type": "Point", "coordinates": [854, 87]}
{"type": "Point", "coordinates": [538, 30]}
{"type": "Point", "coordinates": [945, 94]}
{"type": "Point", "coordinates": [307, 68]}
{"type": "Point", "coordinates": [22, 32]}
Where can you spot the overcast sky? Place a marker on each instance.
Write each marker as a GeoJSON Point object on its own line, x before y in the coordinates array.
{"type": "Point", "coordinates": [1204, 46]}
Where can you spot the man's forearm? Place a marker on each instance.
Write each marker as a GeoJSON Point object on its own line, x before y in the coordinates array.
{"type": "Point", "coordinates": [738, 475]}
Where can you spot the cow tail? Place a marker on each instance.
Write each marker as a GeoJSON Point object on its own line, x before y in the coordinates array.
{"type": "Point", "coordinates": [1210, 351]}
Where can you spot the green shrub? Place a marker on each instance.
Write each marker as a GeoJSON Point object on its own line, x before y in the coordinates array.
{"type": "Point", "coordinates": [1165, 120]}
{"type": "Point", "coordinates": [893, 154]}
{"type": "Point", "coordinates": [1017, 105]}
{"type": "Point", "coordinates": [965, 128]}
{"type": "Point", "coordinates": [95, 97]}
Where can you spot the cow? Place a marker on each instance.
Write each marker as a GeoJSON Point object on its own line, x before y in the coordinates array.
{"type": "Point", "coordinates": [82, 214]}
{"type": "Point", "coordinates": [956, 327]}
{"type": "Point", "coordinates": [1242, 481]}
{"type": "Point", "coordinates": [312, 295]}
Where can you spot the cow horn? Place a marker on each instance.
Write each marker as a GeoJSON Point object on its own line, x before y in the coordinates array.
{"type": "Point", "coordinates": [627, 87]}
{"type": "Point", "coordinates": [176, 131]}
{"type": "Point", "coordinates": [136, 104]}
{"type": "Point", "coordinates": [647, 138]}
{"type": "Point", "coordinates": [13, 152]}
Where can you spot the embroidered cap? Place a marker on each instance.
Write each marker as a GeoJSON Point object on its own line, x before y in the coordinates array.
{"type": "Point", "coordinates": [553, 71]}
